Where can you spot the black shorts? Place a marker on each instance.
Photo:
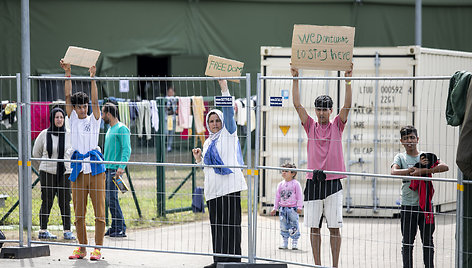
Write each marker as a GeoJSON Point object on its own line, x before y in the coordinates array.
{"type": "Point", "coordinates": [319, 190]}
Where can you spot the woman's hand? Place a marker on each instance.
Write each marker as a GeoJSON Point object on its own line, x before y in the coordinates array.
{"type": "Point", "coordinates": [299, 210]}
{"type": "Point", "coordinates": [273, 212]}
{"type": "Point", "coordinates": [197, 154]}
{"type": "Point", "coordinates": [223, 85]}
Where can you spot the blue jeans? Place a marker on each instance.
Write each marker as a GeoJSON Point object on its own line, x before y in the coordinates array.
{"type": "Point", "coordinates": [289, 223]}
{"type": "Point", "coordinates": [118, 221]}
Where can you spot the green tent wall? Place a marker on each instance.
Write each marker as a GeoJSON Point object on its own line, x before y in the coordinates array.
{"type": "Point", "coordinates": [233, 29]}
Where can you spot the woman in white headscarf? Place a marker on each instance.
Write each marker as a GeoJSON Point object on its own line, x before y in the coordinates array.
{"type": "Point", "coordinates": [223, 185]}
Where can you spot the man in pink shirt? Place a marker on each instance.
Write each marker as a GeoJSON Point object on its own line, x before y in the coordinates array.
{"type": "Point", "coordinates": [323, 193]}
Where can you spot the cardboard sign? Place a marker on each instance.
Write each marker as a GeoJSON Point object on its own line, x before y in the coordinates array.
{"type": "Point", "coordinates": [221, 67]}
{"type": "Point", "coordinates": [322, 47]}
{"type": "Point", "coordinates": [82, 57]}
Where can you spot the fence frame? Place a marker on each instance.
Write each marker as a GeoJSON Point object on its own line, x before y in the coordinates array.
{"type": "Point", "coordinates": [459, 181]}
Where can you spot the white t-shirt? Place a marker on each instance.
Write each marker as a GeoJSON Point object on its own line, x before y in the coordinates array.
{"type": "Point", "coordinates": [84, 136]}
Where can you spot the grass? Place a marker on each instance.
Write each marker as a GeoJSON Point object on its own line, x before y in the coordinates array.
{"type": "Point", "coordinates": [144, 181]}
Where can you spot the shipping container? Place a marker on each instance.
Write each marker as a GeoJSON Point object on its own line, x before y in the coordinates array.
{"type": "Point", "coordinates": [371, 136]}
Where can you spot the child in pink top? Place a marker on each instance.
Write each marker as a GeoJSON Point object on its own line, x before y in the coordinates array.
{"type": "Point", "coordinates": [289, 203]}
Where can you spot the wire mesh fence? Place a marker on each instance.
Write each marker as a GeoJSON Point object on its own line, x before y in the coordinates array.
{"type": "Point", "coordinates": [371, 232]}
{"type": "Point", "coordinates": [163, 179]}
{"type": "Point", "coordinates": [166, 119]}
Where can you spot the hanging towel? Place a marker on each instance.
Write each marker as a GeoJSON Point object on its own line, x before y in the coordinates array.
{"type": "Point", "coordinates": [253, 116]}
{"type": "Point", "coordinates": [123, 109]}
{"type": "Point", "coordinates": [198, 110]}
{"type": "Point", "coordinates": [184, 112]}
{"type": "Point", "coordinates": [144, 119]}
{"type": "Point", "coordinates": [154, 115]}
{"type": "Point", "coordinates": [178, 128]}
{"type": "Point", "coordinates": [241, 113]}
{"type": "Point", "coordinates": [39, 118]}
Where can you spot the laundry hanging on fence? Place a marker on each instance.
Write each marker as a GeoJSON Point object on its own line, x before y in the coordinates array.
{"type": "Point", "coordinates": [144, 119]}
{"type": "Point", "coordinates": [123, 109]}
{"type": "Point", "coordinates": [39, 118]}
{"type": "Point", "coordinates": [8, 113]}
{"type": "Point", "coordinates": [198, 108]}
{"type": "Point", "coordinates": [154, 115]}
{"type": "Point", "coordinates": [184, 112]}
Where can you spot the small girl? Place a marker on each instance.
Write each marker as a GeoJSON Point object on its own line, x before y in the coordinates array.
{"type": "Point", "coordinates": [289, 203]}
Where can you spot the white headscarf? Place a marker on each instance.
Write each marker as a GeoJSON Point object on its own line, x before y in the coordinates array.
{"type": "Point", "coordinates": [215, 136]}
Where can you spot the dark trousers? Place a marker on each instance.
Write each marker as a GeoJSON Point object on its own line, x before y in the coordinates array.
{"type": "Point", "coordinates": [51, 186]}
{"type": "Point", "coordinates": [111, 198]}
{"type": "Point", "coordinates": [412, 218]}
{"type": "Point", "coordinates": [225, 220]}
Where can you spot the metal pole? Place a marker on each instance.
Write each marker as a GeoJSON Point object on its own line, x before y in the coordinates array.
{"type": "Point", "coordinates": [20, 157]}
{"type": "Point", "coordinates": [418, 27]}
{"type": "Point", "coordinates": [376, 132]}
{"type": "Point", "coordinates": [25, 94]}
{"type": "Point", "coordinates": [257, 157]}
{"type": "Point", "coordinates": [250, 168]}
{"type": "Point", "coordinates": [160, 157]}
{"type": "Point", "coordinates": [459, 217]}
{"type": "Point", "coordinates": [459, 220]}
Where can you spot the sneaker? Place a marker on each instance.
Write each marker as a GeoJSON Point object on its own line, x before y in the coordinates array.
{"type": "Point", "coordinates": [284, 244]}
{"type": "Point", "coordinates": [69, 236]}
{"type": "Point", "coordinates": [118, 234]}
{"type": "Point", "coordinates": [95, 255]}
{"type": "Point", "coordinates": [78, 253]}
{"type": "Point", "coordinates": [294, 245]}
{"type": "Point", "coordinates": [46, 235]}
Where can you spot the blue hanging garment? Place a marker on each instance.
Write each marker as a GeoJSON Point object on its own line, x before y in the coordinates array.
{"type": "Point", "coordinates": [198, 205]}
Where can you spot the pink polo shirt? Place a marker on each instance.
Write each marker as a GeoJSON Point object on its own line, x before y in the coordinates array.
{"type": "Point", "coordinates": [325, 149]}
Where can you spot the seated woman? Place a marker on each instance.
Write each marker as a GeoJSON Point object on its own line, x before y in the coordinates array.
{"type": "Point", "coordinates": [223, 185]}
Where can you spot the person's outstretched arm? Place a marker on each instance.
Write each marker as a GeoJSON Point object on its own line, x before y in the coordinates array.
{"type": "Point", "coordinates": [67, 87]}
{"type": "Point", "coordinates": [296, 97]}
{"type": "Point", "coordinates": [228, 112]}
{"type": "Point", "coordinates": [344, 113]}
{"type": "Point", "coordinates": [94, 94]}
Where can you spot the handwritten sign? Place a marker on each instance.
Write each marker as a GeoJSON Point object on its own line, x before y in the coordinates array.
{"type": "Point", "coordinates": [221, 67]}
{"type": "Point", "coordinates": [82, 57]}
{"type": "Point", "coordinates": [322, 47]}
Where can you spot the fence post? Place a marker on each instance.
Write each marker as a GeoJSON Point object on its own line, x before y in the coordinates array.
{"type": "Point", "coordinates": [459, 220]}
{"type": "Point", "coordinates": [250, 169]}
{"type": "Point", "coordinates": [256, 160]}
{"type": "Point", "coordinates": [160, 158]}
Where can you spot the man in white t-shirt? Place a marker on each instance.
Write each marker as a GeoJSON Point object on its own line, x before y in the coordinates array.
{"type": "Point", "coordinates": [86, 178]}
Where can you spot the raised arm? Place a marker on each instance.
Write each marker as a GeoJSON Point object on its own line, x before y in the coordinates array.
{"type": "Point", "coordinates": [94, 94]}
{"type": "Point", "coordinates": [296, 97]}
{"type": "Point", "coordinates": [67, 87]}
{"type": "Point", "coordinates": [228, 112]}
{"type": "Point", "coordinates": [343, 114]}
